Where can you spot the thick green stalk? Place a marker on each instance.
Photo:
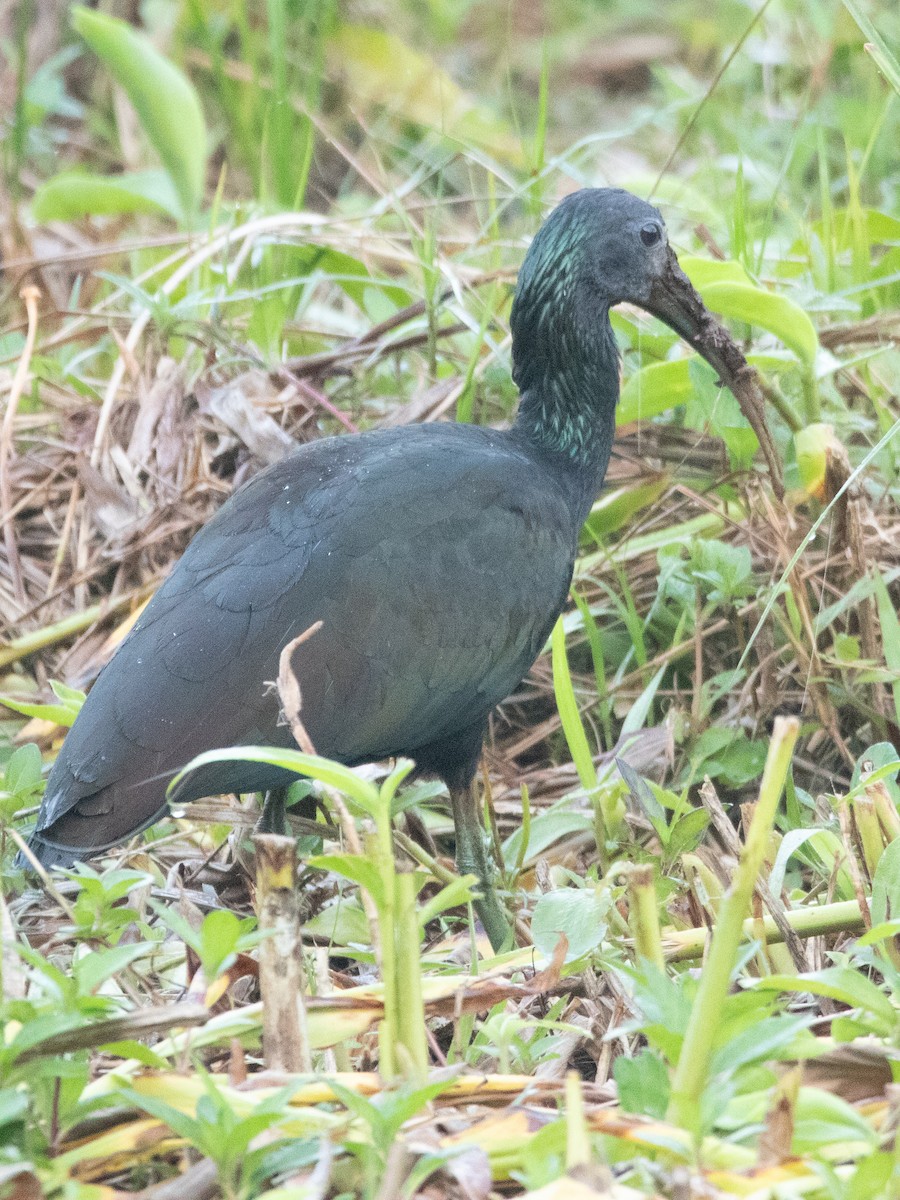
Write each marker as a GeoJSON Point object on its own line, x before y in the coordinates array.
{"type": "Point", "coordinates": [410, 1006]}
{"type": "Point", "coordinates": [389, 1032]}
{"type": "Point", "coordinates": [843, 917]}
{"type": "Point", "coordinates": [643, 914]}
{"type": "Point", "coordinates": [692, 1070]}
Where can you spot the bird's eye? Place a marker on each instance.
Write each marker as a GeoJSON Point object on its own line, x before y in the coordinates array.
{"type": "Point", "coordinates": [650, 234]}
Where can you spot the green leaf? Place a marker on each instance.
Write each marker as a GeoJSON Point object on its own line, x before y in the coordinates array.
{"type": "Point", "coordinates": [13, 1106]}
{"type": "Point", "coordinates": [546, 829]}
{"type": "Point", "coordinates": [790, 844]}
{"type": "Point", "coordinates": [95, 968]}
{"type": "Point", "coordinates": [879, 933]}
{"type": "Point", "coordinates": [776, 313]}
{"type": "Point", "coordinates": [885, 59]}
{"type": "Point", "coordinates": [382, 69]}
{"type": "Point", "coordinates": [643, 1083]}
{"type": "Point", "coordinates": [354, 867]}
{"type": "Point", "coordinates": [822, 1119]}
{"type": "Point", "coordinates": [653, 390]}
{"type": "Point", "coordinates": [62, 714]}
{"type": "Point", "coordinates": [703, 272]}
{"type": "Point", "coordinates": [76, 194]}
{"type": "Point", "coordinates": [129, 1048]}
{"type": "Point", "coordinates": [765, 1039]}
{"type": "Point", "coordinates": [163, 98]}
{"type": "Point", "coordinates": [637, 714]}
{"type": "Point", "coordinates": [342, 924]}
{"type": "Point", "coordinates": [687, 833]}
{"type": "Point", "coordinates": [219, 937]}
{"type": "Point", "coordinates": [450, 896]}
{"type": "Point", "coordinates": [310, 765]}
{"type": "Point", "coordinates": [181, 1124]}
{"type": "Point", "coordinates": [579, 913]}
{"type": "Point", "coordinates": [22, 777]}
{"type": "Point", "coordinates": [617, 506]}
{"type": "Point", "coordinates": [844, 984]}
{"type": "Point", "coordinates": [569, 715]}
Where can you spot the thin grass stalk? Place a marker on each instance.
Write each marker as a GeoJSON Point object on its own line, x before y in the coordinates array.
{"type": "Point", "coordinates": [691, 1073]}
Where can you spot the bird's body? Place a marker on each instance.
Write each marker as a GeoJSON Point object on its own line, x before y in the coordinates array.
{"type": "Point", "coordinates": [436, 557]}
{"type": "Point", "coordinates": [360, 533]}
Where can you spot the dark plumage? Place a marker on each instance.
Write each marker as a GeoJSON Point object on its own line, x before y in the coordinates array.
{"type": "Point", "coordinates": [437, 558]}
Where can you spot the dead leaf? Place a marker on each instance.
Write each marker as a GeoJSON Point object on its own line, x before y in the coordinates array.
{"type": "Point", "coordinates": [240, 405]}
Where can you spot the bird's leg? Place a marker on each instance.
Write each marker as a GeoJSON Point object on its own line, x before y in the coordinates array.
{"type": "Point", "coordinates": [273, 818]}
{"type": "Point", "coordinates": [472, 859]}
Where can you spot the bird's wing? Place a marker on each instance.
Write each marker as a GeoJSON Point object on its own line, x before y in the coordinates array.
{"type": "Point", "coordinates": [436, 562]}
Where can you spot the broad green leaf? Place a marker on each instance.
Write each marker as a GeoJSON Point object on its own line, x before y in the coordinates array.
{"type": "Point", "coordinates": [63, 713]}
{"type": "Point", "coordinates": [704, 271]}
{"type": "Point", "coordinates": [765, 1038]}
{"type": "Point", "coordinates": [219, 935]}
{"type": "Point", "coordinates": [382, 69]}
{"type": "Point", "coordinates": [100, 965]}
{"type": "Point", "coordinates": [617, 506]}
{"type": "Point", "coordinates": [579, 913]}
{"type": "Point", "coordinates": [359, 870]}
{"type": "Point", "coordinates": [76, 194]}
{"type": "Point", "coordinates": [343, 924]}
{"type": "Point", "coordinates": [777, 314]}
{"type": "Point", "coordinates": [880, 932]}
{"type": "Point", "coordinates": [654, 390]}
{"type": "Point", "coordinates": [687, 833]}
{"type": "Point", "coordinates": [812, 446]}
{"type": "Point", "coordinates": [545, 829]}
{"type": "Point", "coordinates": [844, 984]}
{"type": "Point", "coordinates": [643, 1083]}
{"type": "Point", "coordinates": [878, 227]}
{"type": "Point", "coordinates": [128, 1048]}
{"type": "Point", "coordinates": [163, 98]}
{"type": "Point", "coordinates": [824, 1120]}
{"type": "Point", "coordinates": [23, 771]}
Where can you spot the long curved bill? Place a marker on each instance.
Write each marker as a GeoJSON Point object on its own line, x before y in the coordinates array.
{"type": "Point", "coordinates": [674, 300]}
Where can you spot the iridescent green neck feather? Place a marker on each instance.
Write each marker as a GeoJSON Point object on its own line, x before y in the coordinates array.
{"type": "Point", "coordinates": [565, 360]}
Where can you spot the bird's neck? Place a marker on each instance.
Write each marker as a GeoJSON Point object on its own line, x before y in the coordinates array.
{"type": "Point", "coordinates": [568, 374]}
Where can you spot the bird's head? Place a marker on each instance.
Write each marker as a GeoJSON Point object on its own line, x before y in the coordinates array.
{"type": "Point", "coordinates": [601, 247]}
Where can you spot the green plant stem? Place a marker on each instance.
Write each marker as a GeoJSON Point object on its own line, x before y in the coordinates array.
{"type": "Point", "coordinates": [692, 1071]}
{"type": "Point", "coordinates": [869, 829]}
{"type": "Point", "coordinates": [389, 1032]}
{"type": "Point", "coordinates": [643, 915]}
{"type": "Point", "coordinates": [410, 1006]}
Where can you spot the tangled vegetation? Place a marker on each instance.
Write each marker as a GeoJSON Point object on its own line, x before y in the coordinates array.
{"type": "Point", "coordinates": [231, 229]}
